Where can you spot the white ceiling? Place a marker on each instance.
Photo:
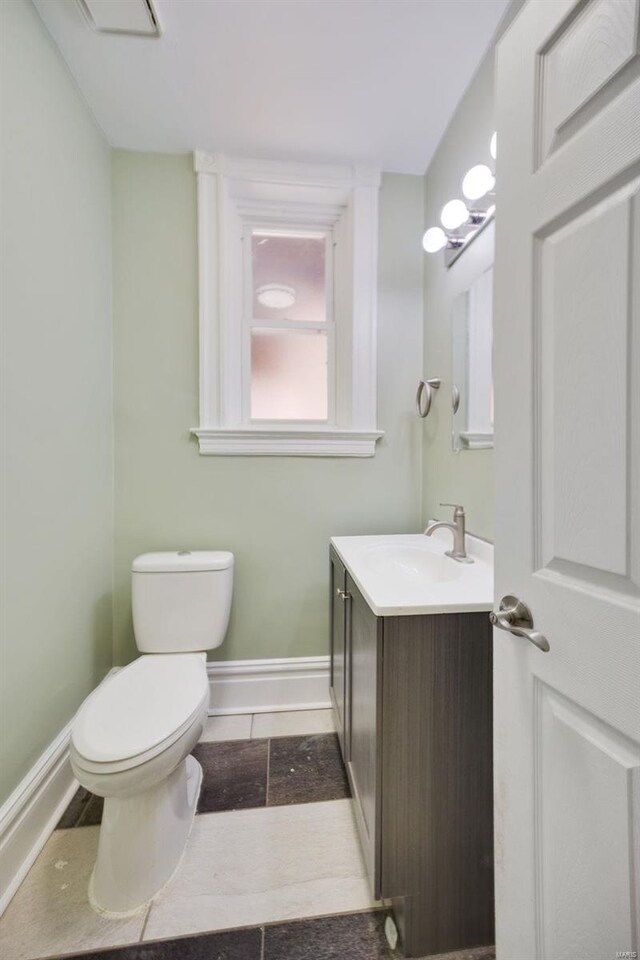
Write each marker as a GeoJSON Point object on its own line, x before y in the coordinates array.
{"type": "Point", "coordinates": [344, 81]}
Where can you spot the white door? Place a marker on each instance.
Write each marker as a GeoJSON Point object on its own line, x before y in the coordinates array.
{"type": "Point", "coordinates": [567, 372]}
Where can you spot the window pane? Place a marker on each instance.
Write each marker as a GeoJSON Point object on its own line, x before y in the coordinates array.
{"type": "Point", "coordinates": [288, 374]}
{"type": "Point", "coordinates": [288, 277]}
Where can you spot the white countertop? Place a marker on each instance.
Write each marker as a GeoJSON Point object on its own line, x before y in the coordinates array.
{"type": "Point", "coordinates": [409, 574]}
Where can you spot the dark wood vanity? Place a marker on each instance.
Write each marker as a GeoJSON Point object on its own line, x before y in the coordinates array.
{"type": "Point", "coordinates": [412, 698]}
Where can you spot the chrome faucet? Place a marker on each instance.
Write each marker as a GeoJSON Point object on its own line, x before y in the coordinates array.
{"type": "Point", "coordinates": [457, 528]}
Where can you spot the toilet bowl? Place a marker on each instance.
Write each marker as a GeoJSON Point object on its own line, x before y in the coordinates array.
{"type": "Point", "coordinates": [131, 738]}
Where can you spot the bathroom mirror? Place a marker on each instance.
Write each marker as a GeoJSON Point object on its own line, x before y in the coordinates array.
{"type": "Point", "coordinates": [472, 393]}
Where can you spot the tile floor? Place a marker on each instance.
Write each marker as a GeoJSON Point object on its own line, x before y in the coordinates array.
{"type": "Point", "coordinates": [241, 774]}
{"type": "Point", "coordinates": [357, 936]}
{"type": "Point", "coordinates": [245, 726]}
{"type": "Point", "coordinates": [272, 870]}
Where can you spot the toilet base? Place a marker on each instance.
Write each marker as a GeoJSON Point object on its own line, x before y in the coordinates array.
{"type": "Point", "coordinates": [142, 840]}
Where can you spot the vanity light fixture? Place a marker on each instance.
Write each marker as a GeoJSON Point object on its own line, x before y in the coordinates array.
{"type": "Point", "coordinates": [454, 214]}
{"type": "Point", "coordinates": [277, 296]}
{"type": "Point", "coordinates": [478, 181]}
{"type": "Point", "coordinates": [434, 239]}
{"type": "Point", "coordinates": [461, 224]}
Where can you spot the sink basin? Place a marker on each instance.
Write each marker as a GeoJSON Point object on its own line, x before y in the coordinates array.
{"type": "Point", "coordinates": [409, 574]}
{"type": "Point", "coordinates": [413, 562]}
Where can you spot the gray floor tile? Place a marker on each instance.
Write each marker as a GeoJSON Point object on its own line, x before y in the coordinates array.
{"type": "Point", "coordinates": [92, 815]}
{"type": "Point", "coordinates": [229, 945]}
{"type": "Point", "coordinates": [472, 953]}
{"type": "Point", "coordinates": [75, 810]}
{"type": "Point", "coordinates": [234, 775]}
{"type": "Point", "coordinates": [84, 810]}
{"type": "Point", "coordinates": [358, 936]}
{"type": "Point", "coordinates": [306, 770]}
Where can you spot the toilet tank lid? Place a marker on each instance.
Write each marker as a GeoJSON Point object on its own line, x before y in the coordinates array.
{"type": "Point", "coordinates": [182, 561]}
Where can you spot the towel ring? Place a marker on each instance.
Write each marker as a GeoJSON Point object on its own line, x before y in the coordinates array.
{"type": "Point", "coordinates": [424, 396]}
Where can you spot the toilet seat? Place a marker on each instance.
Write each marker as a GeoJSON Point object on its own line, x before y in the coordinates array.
{"type": "Point", "coordinates": [140, 712]}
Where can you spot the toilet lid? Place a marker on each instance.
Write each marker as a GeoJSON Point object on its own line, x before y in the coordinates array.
{"type": "Point", "coordinates": [141, 706]}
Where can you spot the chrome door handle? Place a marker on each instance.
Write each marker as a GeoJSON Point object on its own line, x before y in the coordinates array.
{"type": "Point", "coordinates": [343, 594]}
{"type": "Point", "coordinates": [455, 398]}
{"type": "Point", "coordinates": [515, 617]}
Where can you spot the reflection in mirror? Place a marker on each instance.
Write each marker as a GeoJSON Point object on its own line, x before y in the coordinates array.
{"type": "Point", "coordinates": [472, 398]}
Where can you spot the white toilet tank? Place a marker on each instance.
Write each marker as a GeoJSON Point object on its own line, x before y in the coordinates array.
{"type": "Point", "coordinates": [181, 601]}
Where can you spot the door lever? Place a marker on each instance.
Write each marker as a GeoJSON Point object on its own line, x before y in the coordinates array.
{"type": "Point", "coordinates": [515, 617]}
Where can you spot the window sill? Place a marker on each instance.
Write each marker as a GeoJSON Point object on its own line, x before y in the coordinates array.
{"type": "Point", "coordinates": [476, 441]}
{"type": "Point", "coordinates": [287, 443]}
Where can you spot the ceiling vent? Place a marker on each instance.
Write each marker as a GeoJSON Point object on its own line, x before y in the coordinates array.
{"type": "Point", "coordinates": [136, 18]}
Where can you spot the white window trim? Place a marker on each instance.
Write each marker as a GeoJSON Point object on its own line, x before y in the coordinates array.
{"type": "Point", "coordinates": [230, 192]}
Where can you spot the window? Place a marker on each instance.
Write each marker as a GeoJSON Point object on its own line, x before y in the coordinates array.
{"type": "Point", "coordinates": [289, 329]}
{"type": "Point", "coordinates": [288, 276]}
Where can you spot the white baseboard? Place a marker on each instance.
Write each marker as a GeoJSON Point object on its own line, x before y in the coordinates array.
{"type": "Point", "coordinates": [268, 686]}
{"type": "Point", "coordinates": [29, 815]}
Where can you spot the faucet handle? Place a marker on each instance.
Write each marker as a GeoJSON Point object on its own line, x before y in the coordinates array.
{"type": "Point", "coordinates": [458, 509]}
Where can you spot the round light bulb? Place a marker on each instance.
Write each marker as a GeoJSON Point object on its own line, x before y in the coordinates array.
{"type": "Point", "coordinates": [493, 145]}
{"type": "Point", "coordinates": [454, 214]}
{"type": "Point", "coordinates": [434, 239]}
{"type": "Point", "coordinates": [478, 181]}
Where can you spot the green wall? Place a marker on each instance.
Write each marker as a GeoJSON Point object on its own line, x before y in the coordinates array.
{"type": "Point", "coordinates": [57, 408]}
{"type": "Point", "coordinates": [275, 514]}
{"type": "Point", "coordinates": [465, 477]}
{"type": "Point", "coordinates": [78, 219]}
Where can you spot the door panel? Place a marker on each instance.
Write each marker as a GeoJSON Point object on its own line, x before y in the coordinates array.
{"type": "Point", "coordinates": [591, 55]}
{"type": "Point", "coordinates": [583, 386]}
{"type": "Point", "coordinates": [567, 442]}
{"type": "Point", "coordinates": [577, 757]}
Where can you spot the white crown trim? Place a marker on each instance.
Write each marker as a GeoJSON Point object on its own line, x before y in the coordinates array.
{"type": "Point", "coordinates": [275, 171]}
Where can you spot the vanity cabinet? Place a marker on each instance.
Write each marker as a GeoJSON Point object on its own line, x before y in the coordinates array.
{"type": "Point", "coordinates": [412, 699]}
{"type": "Point", "coordinates": [338, 673]}
{"type": "Point", "coordinates": [363, 632]}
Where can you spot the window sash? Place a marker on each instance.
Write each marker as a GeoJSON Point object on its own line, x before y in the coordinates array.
{"type": "Point", "coordinates": [249, 322]}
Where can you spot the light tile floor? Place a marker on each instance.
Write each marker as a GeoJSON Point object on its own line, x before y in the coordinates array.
{"type": "Point", "coordinates": [51, 914]}
{"type": "Point", "coordinates": [237, 727]}
{"type": "Point", "coordinates": [250, 867]}
{"type": "Point", "coordinates": [241, 867]}
{"type": "Point", "coordinates": [290, 724]}
{"type": "Point", "coordinates": [259, 725]}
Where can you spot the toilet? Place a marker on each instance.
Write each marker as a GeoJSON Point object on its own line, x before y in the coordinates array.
{"type": "Point", "coordinates": [132, 737]}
